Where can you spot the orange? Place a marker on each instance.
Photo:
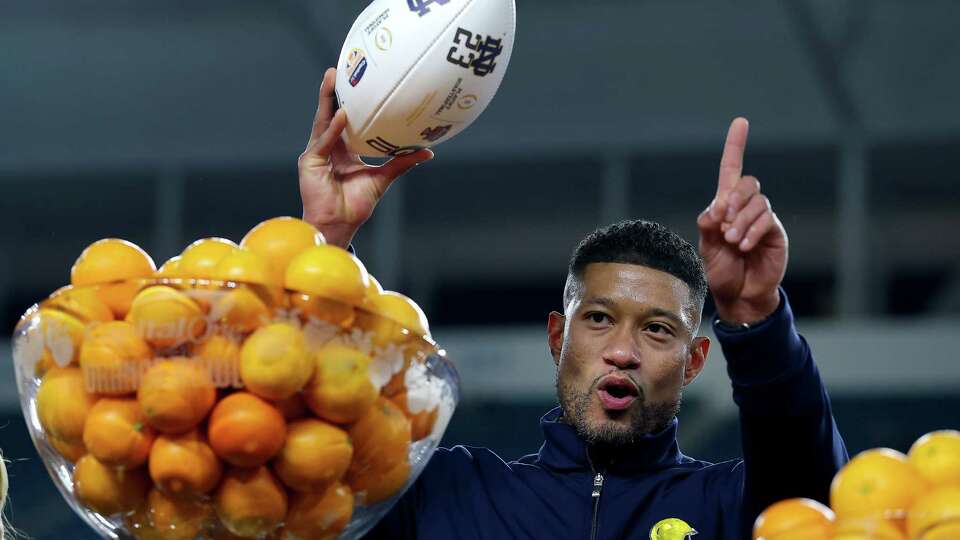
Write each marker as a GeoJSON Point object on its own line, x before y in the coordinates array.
{"type": "Point", "coordinates": [184, 465]}
{"type": "Point", "coordinates": [70, 451]}
{"type": "Point", "coordinates": [381, 441]}
{"type": "Point", "coordinates": [373, 485]}
{"type": "Point", "coordinates": [108, 261]}
{"type": "Point", "coordinates": [246, 431]}
{"type": "Point", "coordinates": [340, 390]}
{"type": "Point", "coordinates": [107, 490]}
{"type": "Point", "coordinates": [373, 288]}
{"type": "Point", "coordinates": [946, 531]}
{"type": "Point", "coordinates": [394, 318]}
{"type": "Point", "coordinates": [795, 519]}
{"type": "Point", "coordinates": [421, 422]}
{"type": "Point", "coordinates": [280, 239]}
{"type": "Point", "coordinates": [314, 455]}
{"type": "Point", "coordinates": [240, 310]}
{"type": "Point", "coordinates": [169, 269]}
{"type": "Point", "coordinates": [319, 515]}
{"type": "Point", "coordinates": [878, 482]}
{"type": "Point", "coordinates": [937, 456]}
{"type": "Point", "coordinates": [274, 362]}
{"type": "Point", "coordinates": [866, 528]}
{"type": "Point", "coordinates": [116, 433]}
{"type": "Point", "coordinates": [250, 502]}
{"type": "Point", "coordinates": [329, 272]}
{"type": "Point", "coordinates": [245, 266]}
{"type": "Point", "coordinates": [176, 395]}
{"type": "Point", "coordinates": [293, 407]}
{"type": "Point", "coordinates": [933, 511]}
{"type": "Point", "coordinates": [220, 355]}
{"type": "Point", "coordinates": [83, 303]}
{"type": "Point", "coordinates": [165, 518]}
{"type": "Point", "coordinates": [318, 308]}
{"type": "Point", "coordinates": [63, 404]}
{"type": "Point", "coordinates": [166, 317]}
{"type": "Point", "coordinates": [200, 259]}
{"type": "Point", "coordinates": [112, 358]}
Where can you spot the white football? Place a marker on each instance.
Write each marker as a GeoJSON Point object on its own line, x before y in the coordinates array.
{"type": "Point", "coordinates": [414, 73]}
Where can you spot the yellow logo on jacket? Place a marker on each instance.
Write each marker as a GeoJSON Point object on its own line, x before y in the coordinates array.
{"type": "Point", "coordinates": [671, 529]}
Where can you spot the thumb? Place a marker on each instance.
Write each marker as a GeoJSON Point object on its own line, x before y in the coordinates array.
{"type": "Point", "coordinates": [398, 166]}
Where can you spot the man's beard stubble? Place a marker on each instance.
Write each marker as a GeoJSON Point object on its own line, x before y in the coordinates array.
{"type": "Point", "coordinates": [645, 417]}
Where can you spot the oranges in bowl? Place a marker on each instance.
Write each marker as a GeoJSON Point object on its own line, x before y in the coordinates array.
{"type": "Point", "coordinates": [880, 494]}
{"type": "Point", "coordinates": [266, 389]}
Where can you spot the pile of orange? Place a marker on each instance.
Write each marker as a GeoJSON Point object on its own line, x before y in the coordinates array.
{"type": "Point", "coordinates": [226, 394]}
{"type": "Point", "coordinates": [881, 494]}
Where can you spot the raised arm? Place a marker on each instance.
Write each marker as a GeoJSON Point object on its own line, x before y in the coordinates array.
{"type": "Point", "coordinates": [338, 190]}
{"type": "Point", "coordinates": [791, 445]}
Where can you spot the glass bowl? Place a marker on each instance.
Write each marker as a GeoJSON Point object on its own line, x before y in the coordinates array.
{"type": "Point", "coordinates": [165, 420]}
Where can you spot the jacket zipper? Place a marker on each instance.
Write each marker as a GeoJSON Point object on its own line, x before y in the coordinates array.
{"type": "Point", "coordinates": [597, 488]}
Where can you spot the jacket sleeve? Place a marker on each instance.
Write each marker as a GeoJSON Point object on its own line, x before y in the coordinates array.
{"type": "Point", "coordinates": [791, 445]}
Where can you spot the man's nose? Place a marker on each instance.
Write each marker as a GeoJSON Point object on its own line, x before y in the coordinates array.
{"type": "Point", "coordinates": [622, 351]}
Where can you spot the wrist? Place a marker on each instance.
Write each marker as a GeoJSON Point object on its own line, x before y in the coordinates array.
{"type": "Point", "coordinates": [748, 312]}
{"type": "Point", "coordinates": [335, 234]}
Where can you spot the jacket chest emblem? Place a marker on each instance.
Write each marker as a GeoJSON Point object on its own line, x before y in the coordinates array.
{"type": "Point", "coordinates": [672, 529]}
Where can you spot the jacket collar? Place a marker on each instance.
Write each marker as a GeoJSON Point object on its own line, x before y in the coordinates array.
{"type": "Point", "coordinates": [564, 450]}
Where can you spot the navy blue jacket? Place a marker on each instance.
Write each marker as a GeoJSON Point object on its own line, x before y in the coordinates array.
{"type": "Point", "coordinates": [791, 448]}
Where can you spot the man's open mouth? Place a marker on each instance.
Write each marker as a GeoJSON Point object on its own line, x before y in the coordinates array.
{"type": "Point", "coordinates": [616, 392]}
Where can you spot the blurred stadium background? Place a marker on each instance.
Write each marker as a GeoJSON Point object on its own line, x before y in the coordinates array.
{"type": "Point", "coordinates": [162, 122]}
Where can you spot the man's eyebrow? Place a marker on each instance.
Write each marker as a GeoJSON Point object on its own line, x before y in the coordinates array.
{"type": "Point", "coordinates": [600, 300]}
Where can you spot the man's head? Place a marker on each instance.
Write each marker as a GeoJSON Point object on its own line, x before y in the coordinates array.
{"type": "Point", "coordinates": [627, 343]}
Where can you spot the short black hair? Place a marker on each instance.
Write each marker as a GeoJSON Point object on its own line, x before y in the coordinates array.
{"type": "Point", "coordinates": [643, 243]}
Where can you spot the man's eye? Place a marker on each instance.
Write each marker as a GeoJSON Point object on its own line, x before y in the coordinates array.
{"type": "Point", "coordinates": [658, 328]}
{"type": "Point", "coordinates": [598, 318]}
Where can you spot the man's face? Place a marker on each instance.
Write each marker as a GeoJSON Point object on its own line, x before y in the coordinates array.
{"type": "Point", "coordinates": [624, 350]}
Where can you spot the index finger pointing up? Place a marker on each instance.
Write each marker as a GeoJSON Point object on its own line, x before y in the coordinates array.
{"type": "Point", "coordinates": [731, 164]}
{"type": "Point", "coordinates": [325, 106]}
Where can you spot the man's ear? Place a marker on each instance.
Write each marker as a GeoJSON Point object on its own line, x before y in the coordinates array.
{"type": "Point", "coordinates": [696, 360]}
{"type": "Point", "coordinates": [555, 334]}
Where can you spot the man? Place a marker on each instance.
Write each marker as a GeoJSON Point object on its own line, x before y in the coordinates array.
{"type": "Point", "coordinates": [624, 348]}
